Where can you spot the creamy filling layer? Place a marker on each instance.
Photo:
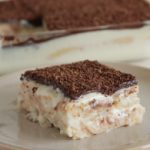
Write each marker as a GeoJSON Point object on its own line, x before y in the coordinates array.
{"type": "Point", "coordinates": [55, 96]}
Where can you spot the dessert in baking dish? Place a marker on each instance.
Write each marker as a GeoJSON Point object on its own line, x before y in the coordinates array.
{"type": "Point", "coordinates": [68, 17]}
{"type": "Point", "coordinates": [70, 14]}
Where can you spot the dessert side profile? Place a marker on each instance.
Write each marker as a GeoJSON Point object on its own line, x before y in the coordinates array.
{"type": "Point", "coordinates": [81, 99]}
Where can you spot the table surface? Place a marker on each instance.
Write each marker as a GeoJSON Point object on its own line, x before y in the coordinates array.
{"type": "Point", "coordinates": [126, 46]}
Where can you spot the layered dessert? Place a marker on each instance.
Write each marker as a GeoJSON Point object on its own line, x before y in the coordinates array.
{"type": "Point", "coordinates": [81, 99]}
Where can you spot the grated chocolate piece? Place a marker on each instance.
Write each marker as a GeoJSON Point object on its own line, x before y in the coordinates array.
{"type": "Point", "coordinates": [81, 78]}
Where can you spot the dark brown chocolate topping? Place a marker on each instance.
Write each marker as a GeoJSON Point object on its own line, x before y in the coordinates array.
{"type": "Point", "coordinates": [81, 78]}
{"type": "Point", "coordinates": [72, 14]}
{"type": "Point", "coordinates": [91, 13]}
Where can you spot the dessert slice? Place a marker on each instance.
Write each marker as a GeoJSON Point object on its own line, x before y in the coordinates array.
{"type": "Point", "coordinates": [81, 99]}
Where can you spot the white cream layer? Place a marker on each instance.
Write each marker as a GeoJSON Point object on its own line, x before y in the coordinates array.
{"type": "Point", "coordinates": [57, 96]}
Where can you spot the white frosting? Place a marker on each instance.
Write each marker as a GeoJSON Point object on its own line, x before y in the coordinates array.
{"type": "Point", "coordinates": [96, 96]}
{"type": "Point", "coordinates": [57, 96]}
{"type": "Point", "coordinates": [120, 113]}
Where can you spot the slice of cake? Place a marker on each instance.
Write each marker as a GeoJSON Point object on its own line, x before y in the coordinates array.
{"type": "Point", "coordinates": [81, 99]}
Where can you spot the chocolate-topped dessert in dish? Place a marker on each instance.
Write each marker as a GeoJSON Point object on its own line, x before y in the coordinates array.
{"type": "Point", "coordinates": [71, 16]}
{"type": "Point", "coordinates": [87, 13]}
{"type": "Point", "coordinates": [81, 99]}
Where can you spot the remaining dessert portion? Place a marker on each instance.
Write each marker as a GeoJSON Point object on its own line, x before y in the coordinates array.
{"type": "Point", "coordinates": [65, 17]}
{"type": "Point", "coordinates": [81, 99]}
{"type": "Point", "coordinates": [70, 14]}
{"type": "Point", "coordinates": [93, 13]}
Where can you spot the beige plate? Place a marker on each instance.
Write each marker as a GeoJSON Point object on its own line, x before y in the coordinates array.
{"type": "Point", "coordinates": [17, 133]}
